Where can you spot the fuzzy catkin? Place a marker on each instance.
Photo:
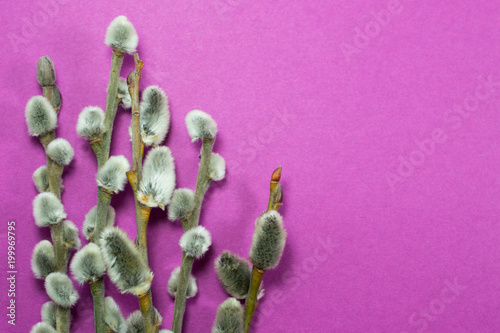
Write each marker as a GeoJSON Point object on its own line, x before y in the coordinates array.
{"type": "Point", "coordinates": [200, 125]}
{"type": "Point", "coordinates": [229, 318]}
{"type": "Point", "coordinates": [173, 281]}
{"type": "Point", "coordinates": [40, 116]}
{"type": "Point", "coordinates": [60, 151]}
{"type": "Point", "coordinates": [124, 94]}
{"type": "Point", "coordinates": [113, 316]}
{"type": "Point", "coordinates": [90, 124]}
{"type": "Point", "coordinates": [41, 179]}
{"type": "Point", "coordinates": [113, 174]}
{"type": "Point", "coordinates": [42, 328]}
{"type": "Point", "coordinates": [196, 241]}
{"type": "Point", "coordinates": [154, 117]}
{"type": "Point", "coordinates": [91, 219]}
{"type": "Point", "coordinates": [234, 274]}
{"type": "Point", "coordinates": [87, 264]}
{"type": "Point", "coordinates": [43, 260]}
{"type": "Point", "coordinates": [121, 35]}
{"type": "Point", "coordinates": [47, 209]}
{"type": "Point", "coordinates": [60, 289]}
{"type": "Point", "coordinates": [158, 178]}
{"type": "Point", "coordinates": [181, 205]}
{"type": "Point", "coordinates": [48, 313]}
{"type": "Point", "coordinates": [136, 323]}
{"type": "Point", "coordinates": [71, 239]}
{"type": "Point", "coordinates": [268, 240]}
{"type": "Point", "coordinates": [126, 266]}
{"type": "Point", "coordinates": [217, 167]}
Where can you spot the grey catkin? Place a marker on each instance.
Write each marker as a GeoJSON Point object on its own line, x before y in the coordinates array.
{"type": "Point", "coordinates": [126, 266]}
{"type": "Point", "coordinates": [234, 274]}
{"type": "Point", "coordinates": [43, 260]}
{"type": "Point", "coordinates": [229, 318]}
{"type": "Point", "coordinates": [268, 240]}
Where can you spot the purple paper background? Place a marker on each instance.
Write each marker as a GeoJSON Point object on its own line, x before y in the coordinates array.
{"type": "Point", "coordinates": [375, 244]}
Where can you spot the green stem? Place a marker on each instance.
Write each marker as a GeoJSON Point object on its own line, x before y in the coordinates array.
{"type": "Point", "coordinates": [202, 184]}
{"type": "Point", "coordinates": [111, 105]}
{"type": "Point", "coordinates": [103, 201]}
{"type": "Point", "coordinates": [57, 234]}
{"type": "Point", "coordinates": [180, 302]}
{"type": "Point", "coordinates": [97, 289]}
{"type": "Point", "coordinates": [62, 319]}
{"type": "Point", "coordinates": [252, 301]}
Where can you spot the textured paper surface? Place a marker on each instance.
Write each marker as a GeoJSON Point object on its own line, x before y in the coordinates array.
{"type": "Point", "coordinates": [385, 125]}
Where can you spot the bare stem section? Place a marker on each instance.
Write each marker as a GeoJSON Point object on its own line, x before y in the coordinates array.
{"type": "Point", "coordinates": [111, 106]}
{"type": "Point", "coordinates": [97, 289]}
{"type": "Point", "coordinates": [202, 184]}
{"type": "Point", "coordinates": [252, 301]}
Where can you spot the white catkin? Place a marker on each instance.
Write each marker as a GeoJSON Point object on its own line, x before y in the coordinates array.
{"type": "Point", "coordinates": [126, 266]}
{"type": "Point", "coordinates": [41, 179]}
{"type": "Point", "coordinates": [200, 125]}
{"type": "Point", "coordinates": [173, 281]}
{"type": "Point", "coordinates": [113, 316]}
{"type": "Point", "coordinates": [49, 313]}
{"type": "Point", "coordinates": [47, 209]}
{"type": "Point", "coordinates": [196, 241]}
{"type": "Point", "coordinates": [60, 151]}
{"type": "Point", "coordinates": [121, 35]}
{"type": "Point", "coordinates": [136, 323]}
{"type": "Point", "coordinates": [88, 264]}
{"type": "Point", "coordinates": [154, 116]}
{"type": "Point", "coordinates": [91, 218]}
{"type": "Point", "coordinates": [113, 174]}
{"type": "Point", "coordinates": [229, 317]}
{"type": "Point", "coordinates": [158, 178]}
{"type": "Point", "coordinates": [90, 124]}
{"type": "Point", "coordinates": [61, 290]}
{"type": "Point", "coordinates": [43, 260]}
{"type": "Point", "coordinates": [40, 116]}
{"type": "Point", "coordinates": [268, 240]}
{"type": "Point", "coordinates": [42, 327]}
{"type": "Point", "coordinates": [124, 94]}
{"type": "Point", "coordinates": [71, 238]}
{"type": "Point", "coordinates": [181, 205]}
{"type": "Point", "coordinates": [217, 167]}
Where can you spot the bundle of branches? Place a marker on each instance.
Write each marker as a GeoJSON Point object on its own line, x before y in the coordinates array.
{"type": "Point", "coordinates": [153, 182]}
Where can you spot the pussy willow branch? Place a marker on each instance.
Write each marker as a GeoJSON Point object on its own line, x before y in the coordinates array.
{"type": "Point", "coordinates": [202, 183]}
{"type": "Point", "coordinates": [251, 302]}
{"type": "Point", "coordinates": [101, 148]}
{"type": "Point", "coordinates": [134, 176]}
{"type": "Point", "coordinates": [54, 172]}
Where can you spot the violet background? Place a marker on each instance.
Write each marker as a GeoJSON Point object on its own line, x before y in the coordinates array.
{"type": "Point", "coordinates": [365, 253]}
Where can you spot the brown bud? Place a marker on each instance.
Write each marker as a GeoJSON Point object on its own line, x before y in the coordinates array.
{"type": "Point", "coordinates": [276, 176]}
{"type": "Point", "coordinates": [45, 72]}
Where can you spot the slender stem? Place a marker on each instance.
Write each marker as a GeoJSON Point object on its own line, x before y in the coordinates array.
{"type": "Point", "coordinates": [180, 302]}
{"type": "Point", "coordinates": [62, 319]}
{"type": "Point", "coordinates": [57, 234]}
{"type": "Point", "coordinates": [111, 105]}
{"type": "Point", "coordinates": [202, 184]}
{"type": "Point", "coordinates": [141, 240]}
{"type": "Point", "coordinates": [97, 289]}
{"type": "Point", "coordinates": [54, 175]}
{"type": "Point", "coordinates": [148, 313]}
{"type": "Point", "coordinates": [103, 201]}
{"type": "Point", "coordinates": [252, 301]}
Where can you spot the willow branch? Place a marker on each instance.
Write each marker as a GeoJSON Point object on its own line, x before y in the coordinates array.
{"type": "Point", "coordinates": [275, 201]}
{"type": "Point", "coordinates": [202, 185]}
